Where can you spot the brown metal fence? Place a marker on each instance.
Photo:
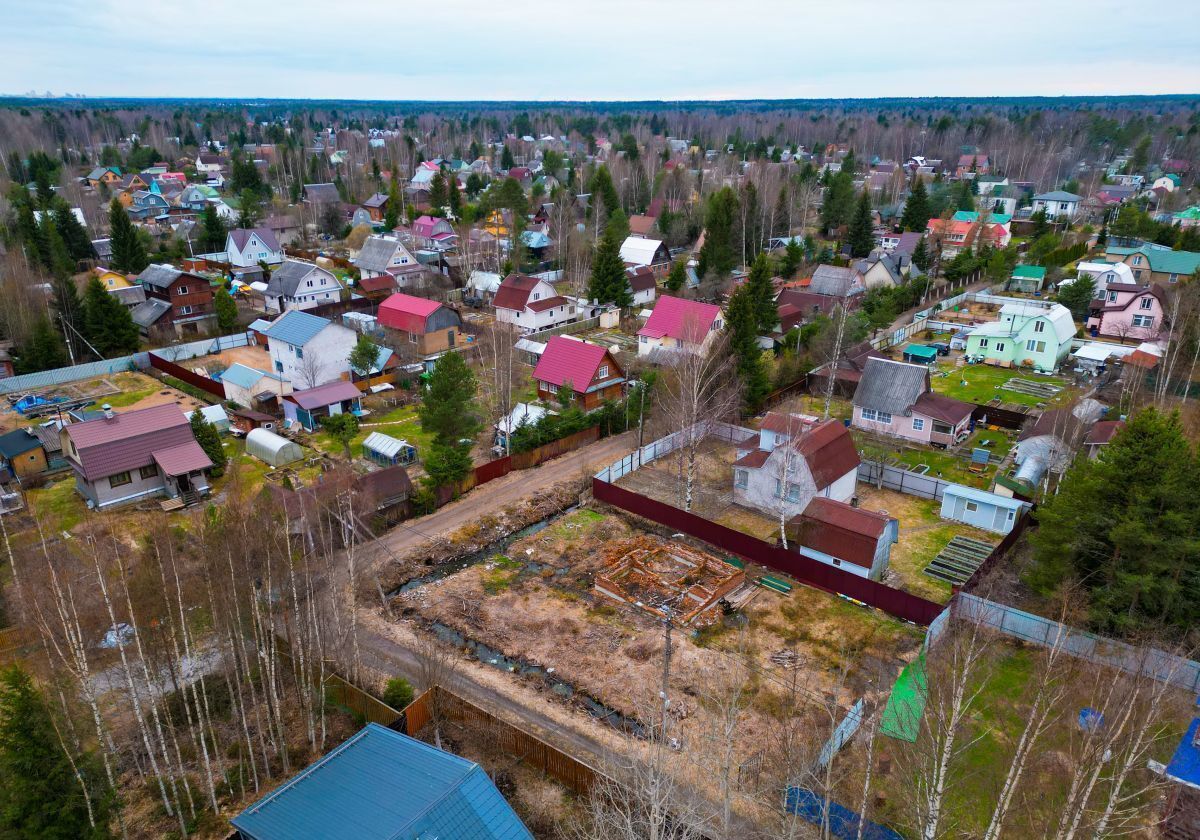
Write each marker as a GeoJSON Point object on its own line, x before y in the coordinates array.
{"type": "Point", "coordinates": [811, 572]}
{"type": "Point", "coordinates": [194, 379]}
{"type": "Point", "coordinates": [1002, 417]}
{"type": "Point", "coordinates": [998, 553]}
{"type": "Point", "coordinates": [533, 751]}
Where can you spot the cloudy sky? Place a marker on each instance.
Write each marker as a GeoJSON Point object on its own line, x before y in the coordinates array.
{"type": "Point", "coordinates": [615, 49]}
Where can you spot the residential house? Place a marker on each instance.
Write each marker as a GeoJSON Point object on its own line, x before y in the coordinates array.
{"type": "Point", "coordinates": [642, 226]}
{"type": "Point", "coordinates": [1026, 278]}
{"type": "Point", "coordinates": [110, 279]}
{"type": "Point", "coordinates": [253, 388]}
{"type": "Point", "coordinates": [643, 285]}
{"type": "Point", "coordinates": [853, 539]}
{"type": "Point", "coordinates": [589, 370]}
{"type": "Point", "coordinates": [428, 327]}
{"type": "Point", "coordinates": [147, 205]}
{"type": "Point", "coordinates": [321, 194]}
{"type": "Point", "coordinates": [107, 175]}
{"type": "Point", "coordinates": [838, 282]}
{"type": "Point", "coordinates": [177, 303]}
{"type": "Point", "coordinates": [247, 247]}
{"type": "Point", "coordinates": [972, 165]}
{"type": "Point", "coordinates": [638, 250]}
{"type": "Point", "coordinates": [879, 270]}
{"type": "Point", "coordinates": [1100, 436]}
{"type": "Point", "coordinates": [1057, 203]}
{"type": "Point", "coordinates": [1028, 334]}
{"type": "Point", "coordinates": [523, 176]}
{"type": "Point", "coordinates": [1188, 218]}
{"type": "Point", "coordinates": [195, 197]}
{"type": "Point", "coordinates": [285, 228]}
{"type": "Point", "coordinates": [806, 461]}
{"type": "Point", "coordinates": [309, 351]}
{"type": "Point", "coordinates": [677, 324]}
{"type": "Point", "coordinates": [1128, 311]}
{"type": "Point", "coordinates": [131, 297]}
{"type": "Point", "coordinates": [381, 785]}
{"type": "Point", "coordinates": [1156, 263]}
{"type": "Point", "coordinates": [299, 284]}
{"type": "Point", "coordinates": [308, 406]}
{"type": "Point", "coordinates": [981, 509]}
{"type": "Point", "coordinates": [1104, 272]}
{"type": "Point", "coordinates": [376, 206]}
{"type": "Point", "coordinates": [957, 235]}
{"type": "Point", "coordinates": [1006, 199]}
{"type": "Point", "coordinates": [531, 304]}
{"type": "Point", "coordinates": [208, 163]}
{"type": "Point", "coordinates": [384, 265]}
{"type": "Point", "coordinates": [894, 398]}
{"type": "Point", "coordinates": [1049, 443]}
{"type": "Point", "coordinates": [997, 227]}
{"type": "Point", "coordinates": [23, 453]}
{"type": "Point", "coordinates": [433, 233]}
{"type": "Point", "coordinates": [121, 458]}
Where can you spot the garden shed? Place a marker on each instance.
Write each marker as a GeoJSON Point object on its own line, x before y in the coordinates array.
{"type": "Point", "coordinates": [980, 508]}
{"type": "Point", "coordinates": [920, 354]}
{"type": "Point", "coordinates": [271, 448]}
{"type": "Point", "coordinates": [387, 450]}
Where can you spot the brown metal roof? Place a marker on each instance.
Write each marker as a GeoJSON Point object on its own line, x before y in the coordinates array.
{"type": "Point", "coordinates": [839, 530]}
{"type": "Point", "coordinates": [829, 451]}
{"type": "Point", "coordinates": [182, 459]}
{"type": "Point", "coordinates": [106, 446]}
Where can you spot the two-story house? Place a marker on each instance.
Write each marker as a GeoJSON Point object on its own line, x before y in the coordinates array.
{"type": "Point", "coordinates": [432, 232]}
{"type": "Point", "coordinates": [677, 324]}
{"type": "Point", "coordinates": [1128, 311]}
{"type": "Point", "coordinates": [298, 284]}
{"type": "Point", "coordinates": [428, 327]}
{"type": "Point", "coordinates": [208, 163]}
{"type": "Point", "coordinates": [806, 460]}
{"type": "Point", "coordinates": [385, 264]}
{"type": "Point", "coordinates": [637, 250]}
{"type": "Point", "coordinates": [122, 458]}
{"type": "Point", "coordinates": [531, 304]}
{"type": "Point", "coordinates": [643, 285]}
{"type": "Point", "coordinates": [588, 370]}
{"type": "Point", "coordinates": [1057, 203]}
{"type": "Point", "coordinates": [969, 166]}
{"type": "Point", "coordinates": [247, 247]}
{"type": "Point", "coordinates": [177, 303]}
{"type": "Point", "coordinates": [309, 351]}
{"type": "Point", "coordinates": [1156, 263]}
{"type": "Point", "coordinates": [1029, 334]}
{"type": "Point", "coordinates": [894, 398]}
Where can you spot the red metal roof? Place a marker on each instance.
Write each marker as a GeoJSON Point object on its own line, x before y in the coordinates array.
{"type": "Point", "coordinates": [405, 312]}
{"type": "Point", "coordinates": [946, 409]}
{"type": "Point", "coordinates": [787, 424]}
{"type": "Point", "coordinates": [547, 303]}
{"type": "Point", "coordinates": [641, 278]}
{"type": "Point", "coordinates": [839, 530]}
{"type": "Point", "coordinates": [570, 360]}
{"type": "Point", "coordinates": [324, 395]}
{"type": "Point", "coordinates": [1103, 431]}
{"type": "Point", "coordinates": [182, 458]}
{"type": "Point", "coordinates": [380, 283]}
{"type": "Point", "coordinates": [688, 320]}
{"type": "Point", "coordinates": [829, 451]}
{"type": "Point", "coordinates": [753, 459]}
{"type": "Point", "coordinates": [514, 292]}
{"type": "Point", "coordinates": [106, 446]}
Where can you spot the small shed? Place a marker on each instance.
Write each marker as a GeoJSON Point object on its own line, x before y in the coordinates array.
{"type": "Point", "coordinates": [920, 354]}
{"type": "Point", "coordinates": [388, 451]}
{"type": "Point", "coordinates": [980, 508]}
{"type": "Point", "coordinates": [1027, 278]}
{"type": "Point", "coordinates": [271, 448]}
{"type": "Point", "coordinates": [245, 421]}
{"type": "Point", "coordinates": [216, 415]}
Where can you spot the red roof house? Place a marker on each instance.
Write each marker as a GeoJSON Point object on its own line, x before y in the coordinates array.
{"type": "Point", "coordinates": [859, 541]}
{"type": "Point", "coordinates": [588, 369]}
{"type": "Point", "coordinates": [796, 462]}
{"type": "Point", "coordinates": [676, 323]}
{"type": "Point", "coordinates": [431, 326]}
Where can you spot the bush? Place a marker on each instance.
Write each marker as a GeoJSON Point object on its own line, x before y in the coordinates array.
{"type": "Point", "coordinates": [398, 693]}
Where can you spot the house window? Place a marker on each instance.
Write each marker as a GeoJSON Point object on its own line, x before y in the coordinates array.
{"type": "Point", "coordinates": [972, 507]}
{"type": "Point", "coordinates": [412, 338]}
{"type": "Point", "coordinates": [1137, 274]}
{"type": "Point", "coordinates": [918, 424]}
{"type": "Point", "coordinates": [793, 492]}
{"type": "Point", "coordinates": [876, 416]}
{"type": "Point", "coordinates": [185, 310]}
{"type": "Point", "coordinates": [120, 479]}
{"type": "Point", "coordinates": [1039, 326]}
{"type": "Point", "coordinates": [741, 478]}
{"type": "Point", "coordinates": [148, 472]}
{"type": "Point", "coordinates": [182, 290]}
{"type": "Point", "coordinates": [552, 389]}
{"type": "Point", "coordinates": [299, 352]}
{"type": "Point", "coordinates": [1174, 278]}
{"type": "Point", "coordinates": [1137, 260]}
{"type": "Point", "coordinates": [309, 283]}
{"type": "Point", "coordinates": [983, 344]}
{"type": "Point", "coordinates": [278, 367]}
{"type": "Point", "coordinates": [836, 561]}
{"type": "Point", "coordinates": [1146, 303]}
{"type": "Point", "coordinates": [537, 295]}
{"type": "Point", "coordinates": [1000, 347]}
{"type": "Point", "coordinates": [1143, 320]}
{"type": "Point", "coordinates": [1035, 346]}
{"type": "Point", "coordinates": [603, 372]}
{"type": "Point", "coordinates": [1112, 297]}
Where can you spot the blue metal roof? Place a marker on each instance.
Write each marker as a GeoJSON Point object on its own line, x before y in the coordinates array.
{"type": "Point", "coordinates": [296, 328]}
{"type": "Point", "coordinates": [381, 785]}
{"type": "Point", "coordinates": [242, 376]}
{"type": "Point", "coordinates": [1185, 764]}
{"type": "Point", "coordinates": [983, 496]}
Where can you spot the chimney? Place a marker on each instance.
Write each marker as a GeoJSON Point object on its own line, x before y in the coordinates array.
{"type": "Point", "coordinates": [108, 412]}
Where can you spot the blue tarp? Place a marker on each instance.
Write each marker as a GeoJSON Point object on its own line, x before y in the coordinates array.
{"type": "Point", "coordinates": [1185, 764]}
{"type": "Point", "coordinates": [843, 823]}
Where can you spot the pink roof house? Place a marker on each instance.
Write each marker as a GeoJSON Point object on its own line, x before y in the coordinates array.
{"type": "Point", "coordinates": [1128, 310]}
{"type": "Point", "coordinates": [679, 324]}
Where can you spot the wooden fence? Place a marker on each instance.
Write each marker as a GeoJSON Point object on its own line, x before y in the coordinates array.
{"type": "Point", "coordinates": [194, 379]}
{"type": "Point", "coordinates": [341, 692]}
{"type": "Point", "coordinates": [533, 751]}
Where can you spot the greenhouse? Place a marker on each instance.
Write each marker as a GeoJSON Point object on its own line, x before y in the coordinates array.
{"type": "Point", "coordinates": [271, 448]}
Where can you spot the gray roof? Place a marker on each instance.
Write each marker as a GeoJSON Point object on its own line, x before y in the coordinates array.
{"type": "Point", "coordinates": [832, 280]}
{"type": "Point", "coordinates": [146, 314]}
{"type": "Point", "coordinates": [287, 278]}
{"type": "Point", "coordinates": [129, 295]}
{"type": "Point", "coordinates": [103, 248]}
{"type": "Point", "coordinates": [376, 253]}
{"type": "Point", "coordinates": [889, 264]}
{"type": "Point", "coordinates": [159, 275]}
{"type": "Point", "coordinates": [1058, 195]}
{"type": "Point", "coordinates": [321, 194]}
{"type": "Point", "coordinates": [890, 386]}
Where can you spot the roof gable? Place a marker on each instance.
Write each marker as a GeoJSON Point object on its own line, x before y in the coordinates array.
{"type": "Point", "coordinates": [891, 386]}
{"type": "Point", "coordinates": [296, 328]}
{"type": "Point", "coordinates": [571, 360]}
{"type": "Point", "coordinates": [684, 320]}
{"type": "Point", "coordinates": [829, 452]}
{"type": "Point", "coordinates": [406, 312]}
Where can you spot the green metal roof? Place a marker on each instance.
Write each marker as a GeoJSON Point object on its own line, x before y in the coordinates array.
{"type": "Point", "coordinates": [1029, 272]}
{"type": "Point", "coordinates": [920, 351]}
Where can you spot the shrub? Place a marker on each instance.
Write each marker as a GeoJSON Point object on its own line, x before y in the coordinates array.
{"type": "Point", "coordinates": [398, 693]}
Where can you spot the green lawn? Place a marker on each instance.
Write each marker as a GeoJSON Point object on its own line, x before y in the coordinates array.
{"type": "Point", "coordinates": [942, 465]}
{"type": "Point", "coordinates": [1001, 442]}
{"type": "Point", "coordinates": [982, 383]}
{"type": "Point", "coordinates": [401, 423]}
{"type": "Point", "coordinates": [57, 504]}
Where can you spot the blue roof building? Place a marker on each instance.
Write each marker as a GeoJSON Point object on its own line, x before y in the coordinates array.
{"type": "Point", "coordinates": [381, 785]}
{"type": "Point", "coordinates": [980, 508]}
{"type": "Point", "coordinates": [296, 328]}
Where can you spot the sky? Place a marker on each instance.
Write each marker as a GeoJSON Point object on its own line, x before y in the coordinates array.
{"type": "Point", "coordinates": [599, 49]}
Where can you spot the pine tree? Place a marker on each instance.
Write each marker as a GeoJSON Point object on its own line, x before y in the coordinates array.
{"type": "Point", "coordinates": [41, 795]}
{"type": "Point", "coordinates": [212, 229]}
{"type": "Point", "coordinates": [226, 310]}
{"type": "Point", "coordinates": [618, 225]}
{"type": "Point", "coordinates": [437, 191]}
{"type": "Point", "coordinates": [742, 323]}
{"type": "Point", "coordinates": [44, 350]}
{"type": "Point", "coordinates": [59, 262]}
{"type": "Point", "coordinates": [608, 282]}
{"type": "Point", "coordinates": [364, 356]}
{"type": "Point", "coordinates": [506, 159]}
{"type": "Point", "coordinates": [793, 256]}
{"type": "Point", "coordinates": [861, 236]}
{"type": "Point", "coordinates": [128, 252]}
{"type": "Point", "coordinates": [917, 211]}
{"type": "Point", "coordinates": [677, 276]}
{"type": "Point", "coordinates": [454, 197]}
{"type": "Point", "coordinates": [73, 233]}
{"type": "Point", "coordinates": [717, 255]}
{"type": "Point", "coordinates": [391, 216]}
{"type": "Point", "coordinates": [921, 257]}
{"type": "Point", "coordinates": [604, 194]}
{"type": "Point", "coordinates": [209, 438]}
{"type": "Point", "coordinates": [838, 203]}
{"type": "Point", "coordinates": [762, 292]}
{"type": "Point", "coordinates": [448, 405]}
{"type": "Point", "coordinates": [107, 324]}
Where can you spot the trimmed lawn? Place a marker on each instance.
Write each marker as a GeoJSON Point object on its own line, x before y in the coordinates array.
{"type": "Point", "coordinates": [400, 423]}
{"type": "Point", "coordinates": [58, 504]}
{"type": "Point", "coordinates": [1000, 441]}
{"type": "Point", "coordinates": [982, 383]}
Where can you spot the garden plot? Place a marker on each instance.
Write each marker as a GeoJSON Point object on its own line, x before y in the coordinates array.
{"type": "Point", "coordinates": [1032, 387]}
{"type": "Point", "coordinates": [960, 559]}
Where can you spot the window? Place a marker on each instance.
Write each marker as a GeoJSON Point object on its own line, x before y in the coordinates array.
{"type": "Point", "coordinates": [148, 472]}
{"type": "Point", "coordinates": [120, 479]}
{"type": "Point", "coordinates": [741, 478]}
{"type": "Point", "coordinates": [793, 492]}
{"type": "Point", "coordinates": [278, 368]}
{"type": "Point", "coordinates": [1035, 346]}
{"type": "Point", "coordinates": [918, 424]}
{"type": "Point", "coordinates": [972, 507]}
{"type": "Point", "coordinates": [1112, 297]}
{"type": "Point", "coordinates": [1137, 260]}
{"type": "Point", "coordinates": [603, 372]}
{"type": "Point", "coordinates": [182, 290]}
{"type": "Point", "coordinates": [537, 295]}
{"type": "Point", "coordinates": [778, 489]}
{"type": "Point", "coordinates": [876, 416]}
{"type": "Point", "coordinates": [412, 338]}
{"type": "Point", "coordinates": [942, 428]}
{"type": "Point", "coordinates": [185, 310]}
{"type": "Point", "coordinates": [309, 282]}
{"type": "Point", "coordinates": [836, 561]}
{"type": "Point", "coordinates": [299, 352]}
{"type": "Point", "coordinates": [983, 344]}
{"type": "Point", "coordinates": [1143, 320]}
{"type": "Point", "coordinates": [1000, 347]}
{"type": "Point", "coordinates": [1174, 278]}
{"type": "Point", "coordinates": [1146, 302]}
{"type": "Point", "coordinates": [1039, 326]}
{"type": "Point", "coordinates": [553, 389]}
{"type": "Point", "coordinates": [1137, 274]}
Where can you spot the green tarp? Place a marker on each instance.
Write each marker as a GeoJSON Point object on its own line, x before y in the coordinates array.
{"type": "Point", "coordinates": [902, 714]}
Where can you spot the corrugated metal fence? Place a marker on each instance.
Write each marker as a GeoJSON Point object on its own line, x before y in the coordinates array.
{"type": "Point", "coordinates": [59, 376]}
{"type": "Point", "coordinates": [194, 379]}
{"type": "Point", "coordinates": [902, 481]}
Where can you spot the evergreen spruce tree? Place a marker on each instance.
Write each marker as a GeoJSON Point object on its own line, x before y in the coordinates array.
{"type": "Point", "coordinates": [861, 236]}
{"type": "Point", "coordinates": [364, 356]}
{"type": "Point", "coordinates": [608, 283]}
{"type": "Point", "coordinates": [391, 216]}
{"type": "Point", "coordinates": [618, 225]}
{"type": "Point", "coordinates": [838, 203]}
{"type": "Point", "coordinates": [41, 795]}
{"type": "Point", "coordinates": [107, 324]}
{"type": "Point", "coordinates": [212, 229]}
{"type": "Point", "coordinates": [506, 159]}
{"type": "Point", "coordinates": [762, 292]}
{"type": "Point", "coordinates": [793, 256]}
{"type": "Point", "coordinates": [128, 252]}
{"type": "Point", "coordinates": [454, 197]}
{"type": "Point", "coordinates": [226, 310]}
{"type": "Point", "coordinates": [59, 262]}
{"type": "Point", "coordinates": [604, 193]}
{"type": "Point", "coordinates": [677, 277]}
{"type": "Point", "coordinates": [917, 211]}
{"type": "Point", "coordinates": [717, 254]}
{"type": "Point", "coordinates": [438, 195]}
{"type": "Point", "coordinates": [209, 438]}
{"type": "Point", "coordinates": [921, 257]}
{"type": "Point", "coordinates": [742, 323]}
{"type": "Point", "coordinates": [447, 409]}
{"type": "Point", "coordinates": [44, 349]}
{"type": "Point", "coordinates": [74, 234]}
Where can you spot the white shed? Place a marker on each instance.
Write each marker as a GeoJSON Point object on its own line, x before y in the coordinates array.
{"type": "Point", "coordinates": [216, 415]}
{"type": "Point", "coordinates": [271, 448]}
